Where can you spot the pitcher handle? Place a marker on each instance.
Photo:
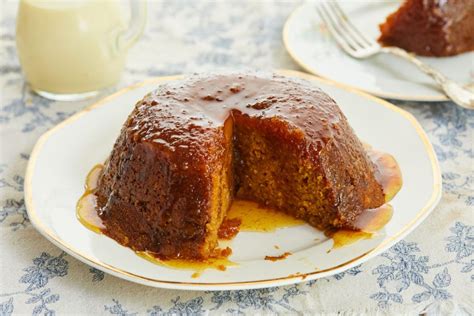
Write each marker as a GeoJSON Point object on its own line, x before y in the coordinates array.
{"type": "Point", "coordinates": [138, 12]}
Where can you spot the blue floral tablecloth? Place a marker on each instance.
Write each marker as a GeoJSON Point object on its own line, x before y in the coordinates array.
{"type": "Point", "coordinates": [430, 271]}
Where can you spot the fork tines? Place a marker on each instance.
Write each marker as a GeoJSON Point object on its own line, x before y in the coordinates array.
{"type": "Point", "coordinates": [344, 31]}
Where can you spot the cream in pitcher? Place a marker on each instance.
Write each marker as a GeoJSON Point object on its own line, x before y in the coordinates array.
{"type": "Point", "coordinates": [72, 49]}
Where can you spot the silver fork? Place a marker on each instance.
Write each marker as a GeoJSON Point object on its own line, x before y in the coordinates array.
{"type": "Point", "coordinates": [359, 46]}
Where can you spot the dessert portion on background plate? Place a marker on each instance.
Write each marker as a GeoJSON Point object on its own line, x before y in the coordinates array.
{"type": "Point", "coordinates": [431, 27]}
{"type": "Point", "coordinates": [310, 44]}
{"type": "Point", "coordinates": [193, 146]}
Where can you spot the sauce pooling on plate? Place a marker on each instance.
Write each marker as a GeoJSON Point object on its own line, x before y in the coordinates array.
{"type": "Point", "coordinates": [86, 212]}
{"type": "Point", "coordinates": [368, 223]}
{"type": "Point", "coordinates": [250, 216]}
{"type": "Point", "coordinates": [87, 204]}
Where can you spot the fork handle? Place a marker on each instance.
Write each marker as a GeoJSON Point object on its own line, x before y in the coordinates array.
{"type": "Point", "coordinates": [458, 94]}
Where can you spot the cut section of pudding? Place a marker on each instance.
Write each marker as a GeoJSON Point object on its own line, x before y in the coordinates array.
{"type": "Point", "coordinates": [431, 27]}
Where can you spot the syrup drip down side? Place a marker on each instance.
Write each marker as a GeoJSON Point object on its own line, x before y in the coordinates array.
{"type": "Point", "coordinates": [250, 216]}
{"type": "Point", "coordinates": [193, 146]}
{"type": "Point", "coordinates": [388, 174]}
{"type": "Point", "coordinates": [87, 214]}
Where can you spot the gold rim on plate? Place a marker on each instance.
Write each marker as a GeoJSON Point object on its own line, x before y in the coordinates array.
{"type": "Point", "coordinates": [302, 64]}
{"type": "Point", "coordinates": [291, 278]}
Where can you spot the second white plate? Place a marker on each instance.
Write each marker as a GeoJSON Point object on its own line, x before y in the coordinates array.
{"type": "Point", "coordinates": [64, 155]}
{"type": "Point", "coordinates": [311, 46]}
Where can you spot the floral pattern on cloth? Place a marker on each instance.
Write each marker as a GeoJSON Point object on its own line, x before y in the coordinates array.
{"type": "Point", "coordinates": [430, 271]}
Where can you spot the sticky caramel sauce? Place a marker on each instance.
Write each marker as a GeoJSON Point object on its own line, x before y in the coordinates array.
{"type": "Point", "coordinates": [87, 214]}
{"type": "Point", "coordinates": [250, 216]}
{"type": "Point", "coordinates": [369, 223]}
{"type": "Point", "coordinates": [389, 176]}
{"type": "Point", "coordinates": [86, 206]}
{"type": "Point", "coordinates": [372, 220]}
{"type": "Point", "coordinates": [276, 258]}
{"type": "Point", "coordinates": [229, 228]}
{"type": "Point", "coordinates": [387, 171]}
{"type": "Point", "coordinates": [299, 274]}
{"type": "Point", "coordinates": [198, 266]}
{"type": "Point", "coordinates": [257, 218]}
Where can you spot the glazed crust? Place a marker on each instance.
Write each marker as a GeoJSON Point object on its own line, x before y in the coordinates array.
{"type": "Point", "coordinates": [191, 146]}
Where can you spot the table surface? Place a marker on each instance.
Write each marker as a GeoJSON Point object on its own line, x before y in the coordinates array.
{"type": "Point", "coordinates": [430, 271]}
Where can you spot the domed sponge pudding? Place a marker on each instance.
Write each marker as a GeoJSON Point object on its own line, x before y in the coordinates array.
{"type": "Point", "coordinates": [192, 146]}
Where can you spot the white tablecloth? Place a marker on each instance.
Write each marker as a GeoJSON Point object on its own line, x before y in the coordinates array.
{"type": "Point", "coordinates": [431, 270]}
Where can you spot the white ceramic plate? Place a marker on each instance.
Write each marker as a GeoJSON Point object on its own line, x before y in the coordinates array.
{"type": "Point", "coordinates": [311, 46]}
{"type": "Point", "coordinates": [64, 155]}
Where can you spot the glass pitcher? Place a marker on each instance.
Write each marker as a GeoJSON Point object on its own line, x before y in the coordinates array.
{"type": "Point", "coordinates": [72, 49]}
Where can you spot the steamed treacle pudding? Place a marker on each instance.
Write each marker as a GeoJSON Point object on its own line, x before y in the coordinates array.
{"type": "Point", "coordinates": [191, 147]}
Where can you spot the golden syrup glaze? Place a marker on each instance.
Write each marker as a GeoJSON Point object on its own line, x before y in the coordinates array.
{"type": "Point", "coordinates": [182, 125]}
{"type": "Point", "coordinates": [389, 176]}
{"type": "Point", "coordinates": [280, 257]}
{"type": "Point", "coordinates": [86, 206]}
{"type": "Point", "coordinates": [86, 212]}
{"type": "Point", "coordinates": [299, 274]}
{"type": "Point", "coordinates": [258, 218]}
{"type": "Point", "coordinates": [250, 216]}
{"type": "Point", "coordinates": [387, 171]}
{"type": "Point", "coordinates": [218, 263]}
{"type": "Point", "coordinates": [229, 228]}
{"type": "Point", "coordinates": [368, 222]}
